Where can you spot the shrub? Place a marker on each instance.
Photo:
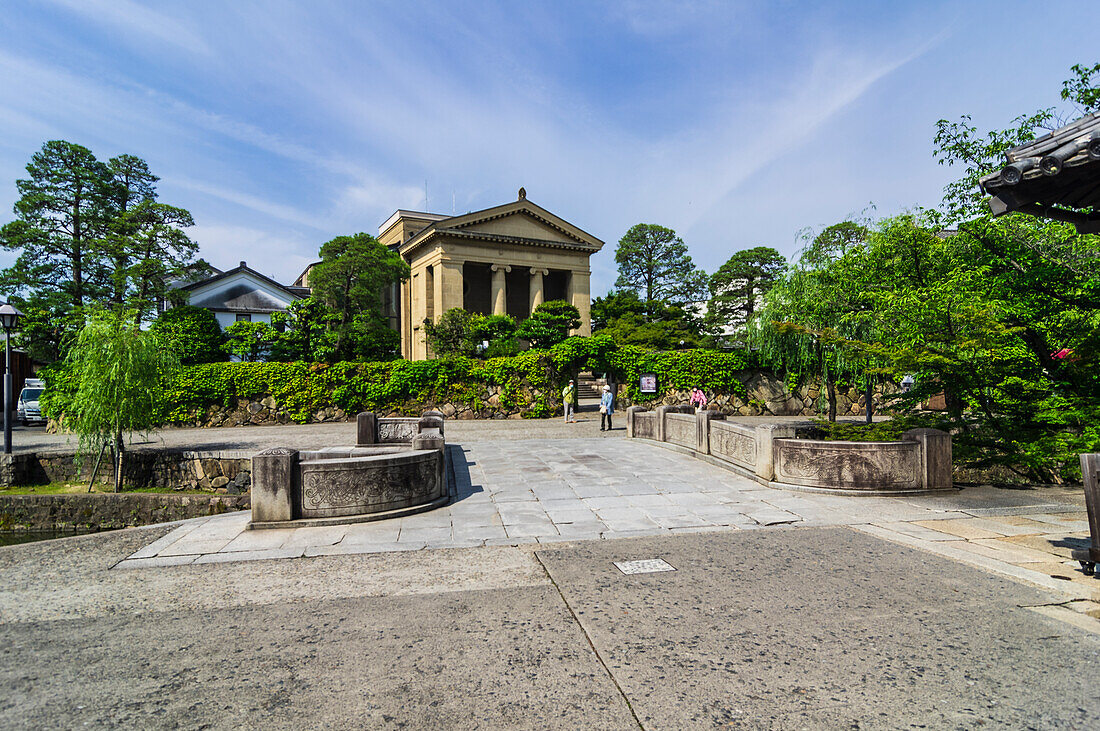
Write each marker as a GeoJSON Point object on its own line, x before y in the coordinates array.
{"type": "Point", "coordinates": [191, 333]}
{"type": "Point", "coordinates": [530, 382]}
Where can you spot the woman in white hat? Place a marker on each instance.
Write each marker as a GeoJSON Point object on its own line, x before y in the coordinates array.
{"type": "Point", "coordinates": [607, 407]}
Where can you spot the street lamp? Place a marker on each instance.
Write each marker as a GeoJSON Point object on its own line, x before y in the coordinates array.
{"type": "Point", "coordinates": [9, 320]}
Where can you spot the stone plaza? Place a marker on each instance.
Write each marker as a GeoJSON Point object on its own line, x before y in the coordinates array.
{"type": "Point", "coordinates": [575, 579]}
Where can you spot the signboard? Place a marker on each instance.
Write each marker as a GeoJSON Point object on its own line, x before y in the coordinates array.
{"type": "Point", "coordinates": [647, 383]}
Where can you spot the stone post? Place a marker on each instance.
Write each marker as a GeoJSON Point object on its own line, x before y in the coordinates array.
{"type": "Point", "coordinates": [500, 292]}
{"type": "Point", "coordinates": [430, 421]}
{"type": "Point", "coordinates": [702, 429]}
{"type": "Point", "coordinates": [537, 292]}
{"type": "Point", "coordinates": [366, 429]}
{"type": "Point", "coordinates": [433, 439]}
{"type": "Point", "coordinates": [630, 412]}
{"type": "Point", "coordinates": [274, 472]}
{"type": "Point", "coordinates": [935, 457]}
{"type": "Point", "coordinates": [661, 412]}
{"type": "Point", "coordinates": [766, 434]}
{"type": "Point", "coordinates": [1090, 476]}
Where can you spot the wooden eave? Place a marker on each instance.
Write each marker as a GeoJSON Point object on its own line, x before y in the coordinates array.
{"type": "Point", "coordinates": [1067, 191]}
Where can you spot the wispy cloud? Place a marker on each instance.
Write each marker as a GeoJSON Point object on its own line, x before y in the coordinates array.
{"type": "Point", "coordinates": [138, 24]}
{"type": "Point", "coordinates": [251, 202]}
{"type": "Point", "coordinates": [281, 124]}
{"type": "Point", "coordinates": [833, 83]}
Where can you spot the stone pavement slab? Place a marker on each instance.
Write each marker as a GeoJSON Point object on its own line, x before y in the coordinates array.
{"type": "Point", "coordinates": [781, 627]}
{"type": "Point", "coordinates": [823, 628]}
{"type": "Point", "coordinates": [527, 491]}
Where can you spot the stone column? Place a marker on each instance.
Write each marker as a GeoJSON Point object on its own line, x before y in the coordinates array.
{"type": "Point", "coordinates": [448, 286]}
{"type": "Point", "coordinates": [420, 312]}
{"type": "Point", "coordinates": [500, 292]}
{"type": "Point", "coordinates": [274, 472]}
{"type": "Point", "coordinates": [580, 297]}
{"type": "Point", "coordinates": [537, 291]}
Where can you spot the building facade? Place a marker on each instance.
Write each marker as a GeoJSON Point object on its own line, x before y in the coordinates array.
{"type": "Point", "coordinates": [241, 295]}
{"type": "Point", "coordinates": [504, 260]}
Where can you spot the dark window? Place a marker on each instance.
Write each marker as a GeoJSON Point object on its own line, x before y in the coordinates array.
{"type": "Point", "coordinates": [246, 317]}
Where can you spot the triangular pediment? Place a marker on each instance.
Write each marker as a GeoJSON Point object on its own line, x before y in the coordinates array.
{"type": "Point", "coordinates": [520, 219]}
{"type": "Point", "coordinates": [520, 224]}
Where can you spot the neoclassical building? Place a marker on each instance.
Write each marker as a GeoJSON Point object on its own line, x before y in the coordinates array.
{"type": "Point", "coordinates": [502, 260]}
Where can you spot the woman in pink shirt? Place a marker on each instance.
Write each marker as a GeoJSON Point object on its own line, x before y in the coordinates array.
{"type": "Point", "coordinates": [698, 399]}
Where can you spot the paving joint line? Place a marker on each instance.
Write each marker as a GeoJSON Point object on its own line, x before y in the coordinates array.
{"type": "Point", "coordinates": [588, 638]}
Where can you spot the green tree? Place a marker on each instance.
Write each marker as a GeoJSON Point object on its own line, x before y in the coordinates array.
{"type": "Point", "coordinates": [192, 334]}
{"type": "Point", "coordinates": [651, 325]}
{"type": "Point", "coordinates": [119, 370]}
{"type": "Point", "coordinates": [549, 324]}
{"type": "Point", "coordinates": [350, 279]}
{"type": "Point", "coordinates": [61, 217]}
{"type": "Point", "coordinates": [250, 341]}
{"type": "Point", "coordinates": [469, 334]}
{"type": "Point", "coordinates": [740, 284]}
{"type": "Point", "coordinates": [494, 336]}
{"type": "Point", "coordinates": [834, 242]}
{"type": "Point", "coordinates": [89, 232]}
{"type": "Point", "coordinates": [144, 242]}
{"type": "Point", "coordinates": [654, 263]}
{"type": "Point", "coordinates": [449, 335]}
{"type": "Point", "coordinates": [810, 312]}
{"type": "Point", "coordinates": [307, 332]}
{"type": "Point", "coordinates": [986, 334]}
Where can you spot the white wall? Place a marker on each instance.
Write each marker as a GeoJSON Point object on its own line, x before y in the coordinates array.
{"type": "Point", "coordinates": [225, 319]}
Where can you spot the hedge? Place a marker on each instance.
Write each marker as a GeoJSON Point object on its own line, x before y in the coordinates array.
{"type": "Point", "coordinates": [531, 380]}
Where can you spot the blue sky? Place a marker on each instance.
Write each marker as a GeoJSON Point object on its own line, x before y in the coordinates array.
{"type": "Point", "coordinates": [282, 124]}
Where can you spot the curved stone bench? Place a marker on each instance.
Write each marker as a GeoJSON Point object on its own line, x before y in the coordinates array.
{"type": "Point", "coordinates": [372, 481]}
{"type": "Point", "coordinates": [772, 454]}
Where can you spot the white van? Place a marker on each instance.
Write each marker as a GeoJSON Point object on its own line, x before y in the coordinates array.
{"type": "Point", "coordinates": [28, 410]}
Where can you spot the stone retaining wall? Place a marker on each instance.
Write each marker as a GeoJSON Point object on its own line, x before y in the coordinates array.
{"type": "Point", "coordinates": [99, 511]}
{"type": "Point", "coordinates": [772, 453]}
{"type": "Point", "coordinates": [224, 473]}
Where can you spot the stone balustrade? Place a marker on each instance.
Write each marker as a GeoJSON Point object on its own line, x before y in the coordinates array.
{"type": "Point", "coordinates": [772, 453]}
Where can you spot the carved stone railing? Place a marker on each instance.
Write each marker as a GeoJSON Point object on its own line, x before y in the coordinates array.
{"type": "Point", "coordinates": [398, 468]}
{"type": "Point", "coordinates": [770, 453]}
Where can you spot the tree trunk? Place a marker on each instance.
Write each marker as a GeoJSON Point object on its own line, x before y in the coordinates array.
{"type": "Point", "coordinates": [830, 389]}
{"type": "Point", "coordinates": [953, 402]}
{"type": "Point", "coordinates": [120, 451]}
{"type": "Point", "coordinates": [870, 407]}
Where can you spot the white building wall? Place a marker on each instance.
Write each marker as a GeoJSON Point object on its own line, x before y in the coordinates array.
{"type": "Point", "coordinates": [225, 319]}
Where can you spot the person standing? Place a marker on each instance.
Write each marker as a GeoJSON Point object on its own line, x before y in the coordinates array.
{"type": "Point", "coordinates": [567, 395]}
{"type": "Point", "coordinates": [607, 407]}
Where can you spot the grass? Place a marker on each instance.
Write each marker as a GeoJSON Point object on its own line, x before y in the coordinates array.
{"type": "Point", "coordinates": [71, 488]}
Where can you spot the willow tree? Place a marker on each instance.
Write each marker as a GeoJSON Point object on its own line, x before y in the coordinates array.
{"type": "Point", "coordinates": [813, 309]}
{"type": "Point", "coordinates": [118, 369]}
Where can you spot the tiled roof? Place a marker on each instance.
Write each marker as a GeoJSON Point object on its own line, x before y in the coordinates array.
{"type": "Point", "coordinates": [1056, 175]}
